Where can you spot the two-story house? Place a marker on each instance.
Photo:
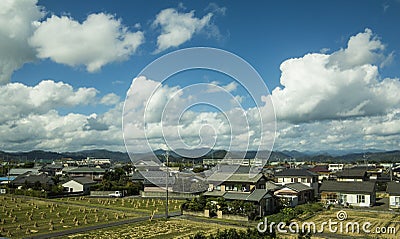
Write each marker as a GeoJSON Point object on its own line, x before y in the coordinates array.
{"type": "Point", "coordinates": [243, 185]}
{"type": "Point", "coordinates": [323, 172]}
{"type": "Point", "coordinates": [303, 176]}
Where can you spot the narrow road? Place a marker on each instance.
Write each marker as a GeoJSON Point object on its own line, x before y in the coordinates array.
{"type": "Point", "coordinates": [97, 227]}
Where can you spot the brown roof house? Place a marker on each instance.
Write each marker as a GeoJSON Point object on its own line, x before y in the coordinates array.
{"type": "Point", "coordinates": [323, 172]}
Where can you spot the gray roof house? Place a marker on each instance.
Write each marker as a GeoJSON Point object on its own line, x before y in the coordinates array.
{"type": "Point", "coordinates": [94, 173]}
{"type": "Point", "coordinates": [393, 189]}
{"type": "Point", "coordinates": [78, 184]}
{"type": "Point", "coordinates": [30, 179]}
{"type": "Point", "coordinates": [303, 176]}
{"type": "Point", "coordinates": [348, 193]}
{"type": "Point", "coordinates": [20, 171]}
{"type": "Point", "coordinates": [241, 183]}
{"type": "Point", "coordinates": [293, 194]}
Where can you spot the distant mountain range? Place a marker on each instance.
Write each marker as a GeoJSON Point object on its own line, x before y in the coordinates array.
{"type": "Point", "coordinates": [286, 155]}
{"type": "Point", "coordinates": [47, 155]}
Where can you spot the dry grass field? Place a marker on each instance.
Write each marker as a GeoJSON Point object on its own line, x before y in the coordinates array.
{"type": "Point", "coordinates": [156, 229]}
{"type": "Point", "coordinates": [379, 224]}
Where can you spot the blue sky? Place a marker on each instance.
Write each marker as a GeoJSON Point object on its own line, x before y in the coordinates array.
{"type": "Point", "coordinates": [264, 33]}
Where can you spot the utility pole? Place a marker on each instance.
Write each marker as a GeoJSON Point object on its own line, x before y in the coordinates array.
{"type": "Point", "coordinates": [166, 184]}
{"type": "Point", "coordinates": [8, 172]}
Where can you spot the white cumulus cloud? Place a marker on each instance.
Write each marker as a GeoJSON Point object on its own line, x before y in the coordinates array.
{"type": "Point", "coordinates": [110, 99]}
{"type": "Point", "coordinates": [97, 41]}
{"type": "Point", "coordinates": [178, 28]}
{"type": "Point", "coordinates": [363, 48]}
{"type": "Point", "coordinates": [17, 18]}
{"type": "Point", "coordinates": [344, 84]}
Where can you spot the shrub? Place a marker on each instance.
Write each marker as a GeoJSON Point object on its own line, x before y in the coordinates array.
{"type": "Point", "coordinates": [235, 234]}
{"type": "Point", "coordinates": [195, 205]}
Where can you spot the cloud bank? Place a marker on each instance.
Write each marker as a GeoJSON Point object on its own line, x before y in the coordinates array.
{"type": "Point", "coordinates": [31, 118]}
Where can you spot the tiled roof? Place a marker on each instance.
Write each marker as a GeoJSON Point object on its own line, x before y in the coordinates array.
{"type": "Point", "coordinates": [357, 172]}
{"type": "Point", "coordinates": [32, 178]}
{"type": "Point", "coordinates": [254, 196]}
{"type": "Point", "coordinates": [86, 170]}
{"type": "Point", "coordinates": [320, 168]}
{"type": "Point", "coordinates": [236, 196]}
{"type": "Point", "coordinates": [292, 172]}
{"type": "Point", "coordinates": [242, 177]}
{"type": "Point", "coordinates": [298, 187]}
{"type": "Point", "coordinates": [19, 171]}
{"type": "Point", "coordinates": [272, 186]}
{"type": "Point", "coordinates": [257, 195]}
{"type": "Point", "coordinates": [393, 188]}
{"type": "Point", "coordinates": [83, 180]}
{"type": "Point", "coordinates": [157, 178]}
{"type": "Point", "coordinates": [214, 193]}
{"type": "Point", "coordinates": [137, 176]}
{"type": "Point", "coordinates": [347, 187]}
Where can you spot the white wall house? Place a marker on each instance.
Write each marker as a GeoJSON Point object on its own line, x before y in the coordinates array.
{"type": "Point", "coordinates": [393, 189]}
{"type": "Point", "coordinates": [335, 167]}
{"type": "Point", "coordinates": [294, 194]}
{"type": "Point", "coordinates": [360, 194]}
{"type": "Point", "coordinates": [359, 200]}
{"type": "Point", "coordinates": [394, 202]}
{"type": "Point", "coordinates": [302, 176]}
{"type": "Point", "coordinates": [81, 184]}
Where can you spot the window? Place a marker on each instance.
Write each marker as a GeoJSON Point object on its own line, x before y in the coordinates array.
{"type": "Point", "coordinates": [343, 198]}
{"type": "Point", "coordinates": [396, 201]}
{"type": "Point", "coordinates": [360, 198]}
{"type": "Point", "coordinates": [230, 188]}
